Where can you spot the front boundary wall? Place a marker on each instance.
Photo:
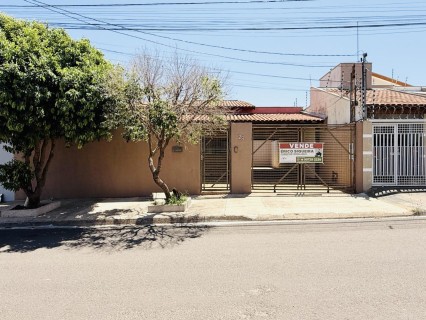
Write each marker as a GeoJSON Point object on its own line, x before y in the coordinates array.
{"type": "Point", "coordinates": [118, 169]}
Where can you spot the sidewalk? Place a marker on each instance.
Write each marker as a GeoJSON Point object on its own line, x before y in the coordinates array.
{"type": "Point", "coordinates": [254, 207]}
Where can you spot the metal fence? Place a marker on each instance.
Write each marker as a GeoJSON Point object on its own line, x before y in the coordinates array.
{"type": "Point", "coordinates": [399, 154]}
{"type": "Point", "coordinates": [215, 162]}
{"type": "Point", "coordinates": [335, 172]}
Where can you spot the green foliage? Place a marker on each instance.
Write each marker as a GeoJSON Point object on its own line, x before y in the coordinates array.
{"type": "Point", "coordinates": [173, 200]}
{"type": "Point", "coordinates": [51, 86]}
{"type": "Point", "coordinates": [15, 175]}
{"type": "Point", "coordinates": [168, 100]}
{"type": "Point", "coordinates": [163, 100]}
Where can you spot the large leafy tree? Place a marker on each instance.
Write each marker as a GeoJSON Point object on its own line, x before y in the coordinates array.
{"type": "Point", "coordinates": [51, 87]}
{"type": "Point", "coordinates": [170, 98]}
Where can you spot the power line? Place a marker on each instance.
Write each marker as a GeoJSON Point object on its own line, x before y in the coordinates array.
{"type": "Point", "coordinates": [155, 4]}
{"type": "Point", "coordinates": [247, 50]}
{"type": "Point", "coordinates": [71, 14]}
{"type": "Point", "coordinates": [198, 43]}
{"type": "Point", "coordinates": [239, 72]}
{"type": "Point", "coordinates": [352, 26]}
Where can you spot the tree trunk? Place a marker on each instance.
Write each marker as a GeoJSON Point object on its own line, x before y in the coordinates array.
{"type": "Point", "coordinates": [41, 166]}
{"type": "Point", "coordinates": [32, 201]}
{"type": "Point", "coordinates": [161, 145]}
{"type": "Point", "coordinates": [162, 185]}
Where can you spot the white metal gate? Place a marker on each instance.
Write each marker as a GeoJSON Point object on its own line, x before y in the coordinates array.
{"type": "Point", "coordinates": [399, 154]}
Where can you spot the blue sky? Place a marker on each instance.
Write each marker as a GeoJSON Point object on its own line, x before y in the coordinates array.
{"type": "Point", "coordinates": [272, 50]}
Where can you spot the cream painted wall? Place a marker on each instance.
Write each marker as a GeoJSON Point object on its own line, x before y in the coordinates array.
{"type": "Point", "coordinates": [340, 76]}
{"type": "Point", "coordinates": [335, 107]}
{"type": "Point", "coordinates": [241, 157]}
{"type": "Point", "coordinates": [377, 82]}
{"type": "Point", "coordinates": [118, 169]}
{"type": "Point", "coordinates": [5, 157]}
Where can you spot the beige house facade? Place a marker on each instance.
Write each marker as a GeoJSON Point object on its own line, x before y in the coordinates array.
{"type": "Point", "coordinates": [364, 139]}
{"type": "Point", "coordinates": [118, 168]}
{"type": "Point", "coordinates": [390, 119]}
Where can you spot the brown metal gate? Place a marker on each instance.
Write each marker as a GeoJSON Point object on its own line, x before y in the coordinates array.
{"type": "Point", "coordinates": [215, 162]}
{"type": "Point", "coordinates": [336, 171]}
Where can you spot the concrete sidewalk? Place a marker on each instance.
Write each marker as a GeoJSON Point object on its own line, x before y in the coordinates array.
{"type": "Point", "coordinates": [253, 207]}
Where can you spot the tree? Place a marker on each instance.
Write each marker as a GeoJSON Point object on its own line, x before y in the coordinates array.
{"type": "Point", "coordinates": [169, 99]}
{"type": "Point", "coordinates": [51, 87]}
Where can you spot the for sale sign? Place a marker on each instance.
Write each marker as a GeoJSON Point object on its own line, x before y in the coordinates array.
{"type": "Point", "coordinates": [301, 152]}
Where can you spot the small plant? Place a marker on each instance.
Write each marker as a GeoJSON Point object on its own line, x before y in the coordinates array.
{"type": "Point", "coordinates": [173, 200]}
{"type": "Point", "coordinates": [418, 211]}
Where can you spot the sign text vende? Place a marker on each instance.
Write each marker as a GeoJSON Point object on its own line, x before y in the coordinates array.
{"type": "Point", "coordinates": [301, 152]}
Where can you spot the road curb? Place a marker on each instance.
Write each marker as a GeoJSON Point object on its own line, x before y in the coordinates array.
{"type": "Point", "coordinates": [193, 219]}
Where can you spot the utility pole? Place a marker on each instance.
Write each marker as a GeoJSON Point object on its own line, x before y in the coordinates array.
{"type": "Point", "coordinates": [352, 91]}
{"type": "Point", "coordinates": [364, 87]}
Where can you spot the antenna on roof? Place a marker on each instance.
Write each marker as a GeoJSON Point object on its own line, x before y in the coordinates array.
{"type": "Point", "coordinates": [364, 86]}
{"type": "Point", "coordinates": [306, 99]}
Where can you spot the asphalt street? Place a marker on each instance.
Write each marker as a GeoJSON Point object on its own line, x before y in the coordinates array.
{"type": "Point", "coordinates": [322, 270]}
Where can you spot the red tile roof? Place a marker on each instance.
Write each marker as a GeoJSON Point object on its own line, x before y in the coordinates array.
{"type": "Point", "coordinates": [272, 117]}
{"type": "Point", "coordinates": [393, 97]}
{"type": "Point", "coordinates": [275, 110]}
{"type": "Point", "coordinates": [385, 97]}
{"type": "Point", "coordinates": [237, 104]}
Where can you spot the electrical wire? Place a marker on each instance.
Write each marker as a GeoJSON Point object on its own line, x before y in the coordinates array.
{"type": "Point", "coordinates": [70, 15]}
{"type": "Point", "coordinates": [158, 3]}
{"type": "Point", "coordinates": [204, 44]}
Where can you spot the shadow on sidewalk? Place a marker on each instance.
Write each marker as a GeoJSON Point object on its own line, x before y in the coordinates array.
{"type": "Point", "coordinates": [111, 239]}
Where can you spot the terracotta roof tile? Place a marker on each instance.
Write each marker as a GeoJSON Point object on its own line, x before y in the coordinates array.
{"type": "Point", "coordinates": [386, 97]}
{"type": "Point", "coordinates": [237, 104]}
{"type": "Point", "coordinates": [393, 97]}
{"type": "Point", "coordinates": [273, 117]}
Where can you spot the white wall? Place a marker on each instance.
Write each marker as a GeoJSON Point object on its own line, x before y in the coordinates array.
{"type": "Point", "coordinates": [5, 157]}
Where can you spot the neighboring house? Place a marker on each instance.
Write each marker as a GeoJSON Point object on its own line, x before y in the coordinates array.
{"type": "Point", "coordinates": [5, 157]}
{"type": "Point", "coordinates": [391, 126]}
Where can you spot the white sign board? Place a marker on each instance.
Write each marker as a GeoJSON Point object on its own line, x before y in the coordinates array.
{"type": "Point", "coordinates": [301, 152]}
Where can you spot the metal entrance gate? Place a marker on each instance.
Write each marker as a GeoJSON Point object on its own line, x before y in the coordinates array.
{"type": "Point", "coordinates": [215, 162]}
{"type": "Point", "coordinates": [336, 171]}
{"type": "Point", "coordinates": [399, 154]}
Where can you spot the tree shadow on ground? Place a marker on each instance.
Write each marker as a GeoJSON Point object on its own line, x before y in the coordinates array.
{"type": "Point", "coordinates": [106, 239]}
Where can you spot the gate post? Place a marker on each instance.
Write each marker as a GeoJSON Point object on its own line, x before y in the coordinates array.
{"type": "Point", "coordinates": [241, 156]}
{"type": "Point", "coordinates": [367, 155]}
{"type": "Point", "coordinates": [359, 157]}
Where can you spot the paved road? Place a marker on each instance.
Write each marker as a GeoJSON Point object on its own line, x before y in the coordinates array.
{"type": "Point", "coordinates": [371, 270]}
